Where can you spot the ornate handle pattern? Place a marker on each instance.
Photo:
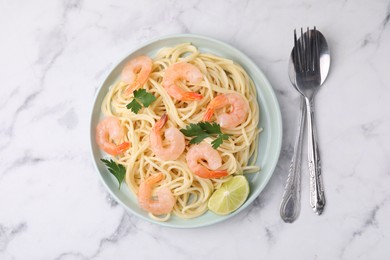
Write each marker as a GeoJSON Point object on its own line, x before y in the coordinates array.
{"type": "Point", "coordinates": [317, 195]}
{"type": "Point", "coordinates": [290, 205]}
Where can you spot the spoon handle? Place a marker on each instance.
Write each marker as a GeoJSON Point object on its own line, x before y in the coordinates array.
{"type": "Point", "coordinates": [290, 205]}
{"type": "Point", "coordinates": [317, 196]}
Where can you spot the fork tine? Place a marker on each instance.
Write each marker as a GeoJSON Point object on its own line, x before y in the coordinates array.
{"type": "Point", "coordinates": [296, 52]}
{"type": "Point", "coordinates": [306, 54]}
{"type": "Point", "coordinates": [308, 49]}
{"type": "Point", "coordinates": [316, 62]}
{"type": "Point", "coordinates": [302, 52]}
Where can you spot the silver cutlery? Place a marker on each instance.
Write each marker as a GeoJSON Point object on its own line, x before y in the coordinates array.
{"type": "Point", "coordinates": [290, 205]}
{"type": "Point", "coordinates": [308, 63]}
{"type": "Point", "coordinates": [308, 68]}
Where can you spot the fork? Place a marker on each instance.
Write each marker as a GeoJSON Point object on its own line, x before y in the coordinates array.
{"type": "Point", "coordinates": [308, 79]}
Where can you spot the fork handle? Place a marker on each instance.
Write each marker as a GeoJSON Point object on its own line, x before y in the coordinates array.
{"type": "Point", "coordinates": [317, 196]}
{"type": "Point", "coordinates": [290, 205]}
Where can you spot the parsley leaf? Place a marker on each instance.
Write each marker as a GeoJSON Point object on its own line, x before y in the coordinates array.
{"type": "Point", "coordinates": [118, 170]}
{"type": "Point", "coordinates": [192, 130]}
{"type": "Point", "coordinates": [213, 128]}
{"type": "Point", "coordinates": [143, 97]}
{"type": "Point", "coordinates": [134, 106]}
{"type": "Point", "coordinates": [217, 142]}
{"type": "Point", "coordinates": [203, 130]}
{"type": "Point", "coordinates": [198, 139]}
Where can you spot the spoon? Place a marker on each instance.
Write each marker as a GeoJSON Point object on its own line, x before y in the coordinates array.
{"type": "Point", "coordinates": [290, 205]}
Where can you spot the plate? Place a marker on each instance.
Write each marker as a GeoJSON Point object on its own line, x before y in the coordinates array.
{"type": "Point", "coordinates": [270, 120]}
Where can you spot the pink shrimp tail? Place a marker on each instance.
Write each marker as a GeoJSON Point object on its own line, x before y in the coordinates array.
{"type": "Point", "coordinates": [189, 96]}
{"type": "Point", "coordinates": [123, 147]}
{"type": "Point", "coordinates": [212, 174]}
{"type": "Point", "coordinates": [215, 103]}
{"type": "Point", "coordinates": [161, 122]}
{"type": "Point", "coordinates": [209, 113]}
{"type": "Point", "coordinates": [154, 178]}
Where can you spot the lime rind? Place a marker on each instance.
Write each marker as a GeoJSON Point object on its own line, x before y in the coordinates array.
{"type": "Point", "coordinates": [230, 196]}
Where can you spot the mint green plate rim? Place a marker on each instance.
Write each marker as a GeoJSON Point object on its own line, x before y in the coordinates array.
{"type": "Point", "coordinates": [270, 140]}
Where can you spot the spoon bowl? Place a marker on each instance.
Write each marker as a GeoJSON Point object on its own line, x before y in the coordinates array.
{"type": "Point", "coordinates": [324, 56]}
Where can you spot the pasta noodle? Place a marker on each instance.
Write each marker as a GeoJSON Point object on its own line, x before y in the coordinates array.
{"type": "Point", "coordinates": [220, 76]}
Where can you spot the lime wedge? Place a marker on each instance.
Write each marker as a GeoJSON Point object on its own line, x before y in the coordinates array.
{"type": "Point", "coordinates": [230, 196]}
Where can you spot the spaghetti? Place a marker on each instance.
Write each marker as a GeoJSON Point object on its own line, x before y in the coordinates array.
{"type": "Point", "coordinates": [220, 76]}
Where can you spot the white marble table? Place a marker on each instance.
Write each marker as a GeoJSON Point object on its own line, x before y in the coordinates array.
{"type": "Point", "coordinates": [53, 57]}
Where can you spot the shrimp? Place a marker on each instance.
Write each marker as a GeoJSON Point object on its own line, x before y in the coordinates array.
{"type": "Point", "coordinates": [176, 138]}
{"type": "Point", "coordinates": [136, 73]}
{"type": "Point", "coordinates": [238, 114]}
{"type": "Point", "coordinates": [110, 128]}
{"type": "Point", "coordinates": [205, 152]}
{"type": "Point", "coordinates": [182, 71]}
{"type": "Point", "coordinates": [164, 202]}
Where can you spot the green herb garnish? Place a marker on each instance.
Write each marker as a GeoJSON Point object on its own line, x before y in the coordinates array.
{"type": "Point", "coordinates": [203, 130]}
{"type": "Point", "coordinates": [141, 96]}
{"type": "Point", "coordinates": [118, 170]}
